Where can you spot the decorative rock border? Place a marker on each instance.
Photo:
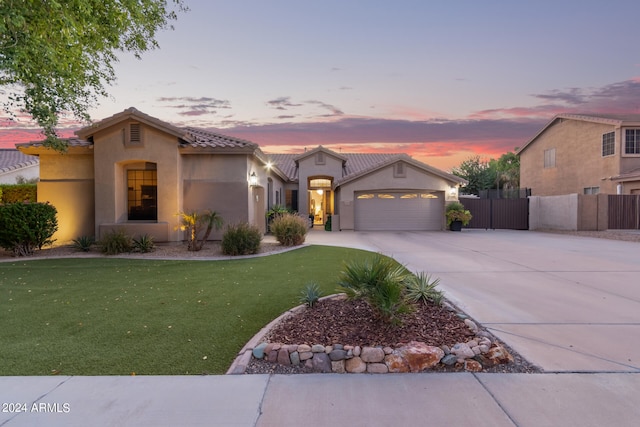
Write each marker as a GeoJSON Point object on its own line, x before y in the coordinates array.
{"type": "Point", "coordinates": [414, 356]}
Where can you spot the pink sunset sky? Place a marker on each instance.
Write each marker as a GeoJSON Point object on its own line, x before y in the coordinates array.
{"type": "Point", "coordinates": [441, 82]}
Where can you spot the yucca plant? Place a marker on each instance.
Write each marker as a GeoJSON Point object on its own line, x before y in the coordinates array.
{"type": "Point", "coordinates": [422, 287]}
{"type": "Point", "coordinates": [144, 244]}
{"type": "Point", "coordinates": [381, 282]}
{"type": "Point", "coordinates": [310, 294]}
{"type": "Point", "coordinates": [83, 243]}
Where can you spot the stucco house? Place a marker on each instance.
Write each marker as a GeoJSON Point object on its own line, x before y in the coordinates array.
{"type": "Point", "coordinates": [134, 172]}
{"type": "Point", "coordinates": [583, 154]}
{"type": "Point", "coordinates": [15, 165]}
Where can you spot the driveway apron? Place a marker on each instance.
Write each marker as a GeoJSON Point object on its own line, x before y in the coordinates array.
{"type": "Point", "coordinates": [565, 303]}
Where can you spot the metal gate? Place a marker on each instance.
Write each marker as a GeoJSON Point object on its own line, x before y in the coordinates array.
{"type": "Point", "coordinates": [511, 214]}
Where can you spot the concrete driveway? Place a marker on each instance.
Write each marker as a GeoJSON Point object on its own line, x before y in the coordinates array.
{"type": "Point", "coordinates": [565, 303]}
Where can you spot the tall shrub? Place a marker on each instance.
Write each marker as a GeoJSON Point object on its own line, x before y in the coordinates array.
{"type": "Point", "coordinates": [25, 227]}
{"type": "Point", "coordinates": [14, 193]}
{"type": "Point", "coordinates": [241, 239]}
{"type": "Point", "coordinates": [289, 229]}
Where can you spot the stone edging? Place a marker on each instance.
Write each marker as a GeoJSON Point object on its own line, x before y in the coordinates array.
{"type": "Point", "coordinates": [411, 357]}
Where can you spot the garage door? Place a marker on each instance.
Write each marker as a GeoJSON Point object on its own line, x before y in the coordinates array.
{"type": "Point", "coordinates": [399, 210]}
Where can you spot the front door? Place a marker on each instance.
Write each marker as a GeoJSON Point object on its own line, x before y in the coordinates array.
{"type": "Point", "coordinates": [320, 205]}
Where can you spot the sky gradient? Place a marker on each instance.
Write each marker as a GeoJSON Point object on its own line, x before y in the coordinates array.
{"type": "Point", "coordinates": [439, 80]}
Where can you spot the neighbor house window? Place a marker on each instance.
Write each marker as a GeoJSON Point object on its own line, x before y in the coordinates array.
{"type": "Point", "coordinates": [632, 141]}
{"type": "Point", "coordinates": [608, 144]}
{"type": "Point", "coordinates": [591, 190]}
{"type": "Point", "coordinates": [142, 193]}
{"type": "Point", "coordinates": [550, 158]}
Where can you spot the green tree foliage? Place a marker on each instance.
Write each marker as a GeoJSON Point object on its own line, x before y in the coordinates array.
{"type": "Point", "coordinates": [56, 56]}
{"type": "Point", "coordinates": [25, 227]}
{"type": "Point", "coordinates": [507, 169]}
{"type": "Point", "coordinates": [479, 174]}
{"type": "Point", "coordinates": [501, 173]}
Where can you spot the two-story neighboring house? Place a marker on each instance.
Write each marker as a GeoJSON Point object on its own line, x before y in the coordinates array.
{"type": "Point", "coordinates": [135, 172]}
{"type": "Point", "coordinates": [583, 154]}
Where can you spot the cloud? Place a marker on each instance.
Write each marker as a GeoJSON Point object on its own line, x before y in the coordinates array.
{"type": "Point", "coordinates": [441, 136]}
{"type": "Point", "coordinates": [192, 106]}
{"type": "Point", "coordinates": [334, 111]}
{"type": "Point", "coordinates": [282, 103]}
{"type": "Point", "coordinates": [616, 98]}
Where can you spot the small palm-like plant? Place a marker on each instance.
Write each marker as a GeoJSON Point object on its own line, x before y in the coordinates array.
{"type": "Point", "coordinates": [381, 282]}
{"type": "Point", "coordinates": [310, 294]}
{"type": "Point", "coordinates": [193, 222]}
{"type": "Point", "coordinates": [422, 287]}
{"type": "Point", "coordinates": [83, 243]}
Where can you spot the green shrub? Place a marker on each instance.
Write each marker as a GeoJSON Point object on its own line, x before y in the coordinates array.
{"type": "Point", "coordinates": [84, 243]}
{"type": "Point", "coordinates": [25, 227]}
{"type": "Point", "coordinates": [241, 239]}
{"type": "Point", "coordinates": [310, 294]}
{"type": "Point", "coordinates": [422, 287]}
{"type": "Point", "coordinates": [144, 244]}
{"type": "Point", "coordinates": [18, 193]}
{"type": "Point", "coordinates": [289, 229]}
{"type": "Point", "coordinates": [116, 242]}
{"type": "Point", "coordinates": [381, 282]}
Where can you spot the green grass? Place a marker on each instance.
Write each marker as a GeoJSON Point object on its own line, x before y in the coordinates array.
{"type": "Point", "coordinates": [108, 316]}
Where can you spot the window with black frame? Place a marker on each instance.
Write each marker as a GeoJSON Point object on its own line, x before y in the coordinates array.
{"type": "Point", "coordinates": [142, 193]}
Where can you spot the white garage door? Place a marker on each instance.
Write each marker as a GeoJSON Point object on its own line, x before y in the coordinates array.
{"type": "Point", "coordinates": [399, 210]}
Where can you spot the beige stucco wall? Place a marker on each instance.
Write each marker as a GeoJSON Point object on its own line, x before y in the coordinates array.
{"type": "Point", "coordinates": [383, 179]}
{"type": "Point", "coordinates": [66, 181]}
{"type": "Point", "coordinates": [28, 173]}
{"type": "Point", "coordinates": [553, 212]}
{"type": "Point", "coordinates": [579, 161]}
{"type": "Point", "coordinates": [113, 157]}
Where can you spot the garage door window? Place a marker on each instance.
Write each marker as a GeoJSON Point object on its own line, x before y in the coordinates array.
{"type": "Point", "coordinates": [366, 196]}
{"type": "Point", "coordinates": [386, 196]}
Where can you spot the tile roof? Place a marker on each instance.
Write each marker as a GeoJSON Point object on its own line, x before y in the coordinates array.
{"type": "Point", "coordinates": [204, 138]}
{"type": "Point", "coordinates": [355, 163]}
{"type": "Point", "coordinates": [11, 159]}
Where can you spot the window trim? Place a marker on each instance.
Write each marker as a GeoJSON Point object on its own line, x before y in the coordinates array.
{"type": "Point", "coordinates": [636, 143]}
{"type": "Point", "coordinates": [608, 146]}
{"type": "Point", "coordinates": [549, 158]}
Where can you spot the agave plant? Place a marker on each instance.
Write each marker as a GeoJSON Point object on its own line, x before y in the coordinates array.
{"type": "Point", "coordinates": [310, 294]}
{"type": "Point", "coordinates": [422, 287]}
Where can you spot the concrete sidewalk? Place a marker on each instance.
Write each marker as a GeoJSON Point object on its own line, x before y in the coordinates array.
{"type": "Point", "coordinates": [571, 305]}
{"type": "Point", "coordinates": [491, 400]}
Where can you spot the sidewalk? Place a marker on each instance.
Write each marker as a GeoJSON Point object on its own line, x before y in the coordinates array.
{"type": "Point", "coordinates": [491, 400]}
{"type": "Point", "coordinates": [568, 304]}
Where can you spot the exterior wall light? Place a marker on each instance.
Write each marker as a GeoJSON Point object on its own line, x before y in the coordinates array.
{"type": "Point", "coordinates": [453, 191]}
{"type": "Point", "coordinates": [253, 179]}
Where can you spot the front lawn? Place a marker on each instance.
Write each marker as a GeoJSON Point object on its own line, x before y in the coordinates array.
{"type": "Point", "coordinates": [108, 316]}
